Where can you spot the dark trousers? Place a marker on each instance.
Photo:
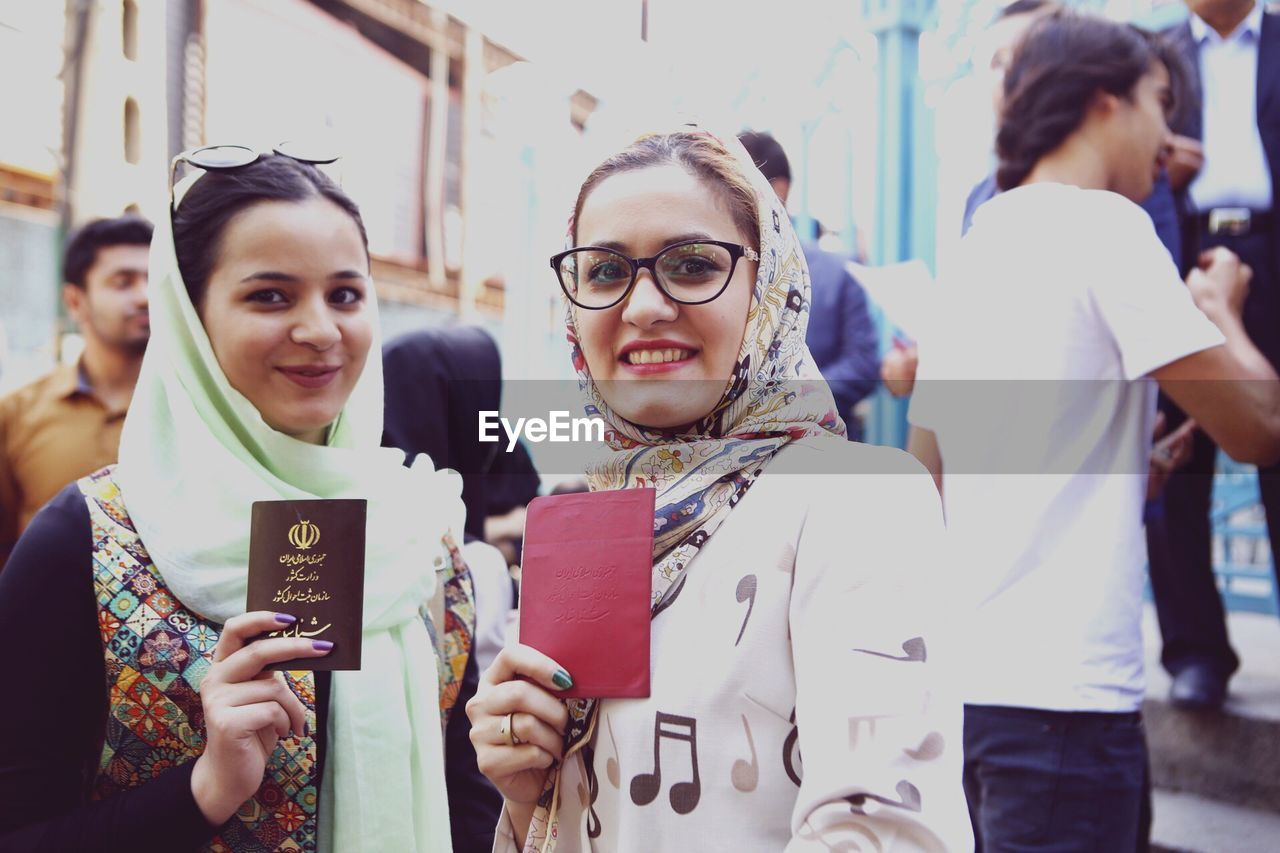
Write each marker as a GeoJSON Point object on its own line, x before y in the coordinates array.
{"type": "Point", "coordinates": [1192, 622]}
{"type": "Point", "coordinates": [1056, 781]}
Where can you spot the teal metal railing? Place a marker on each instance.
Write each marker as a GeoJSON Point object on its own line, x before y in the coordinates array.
{"type": "Point", "coordinates": [1242, 558]}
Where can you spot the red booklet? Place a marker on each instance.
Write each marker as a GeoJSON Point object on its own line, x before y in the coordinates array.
{"type": "Point", "coordinates": [585, 585]}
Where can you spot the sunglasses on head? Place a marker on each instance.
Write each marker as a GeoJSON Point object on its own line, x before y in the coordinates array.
{"type": "Point", "coordinates": [225, 157]}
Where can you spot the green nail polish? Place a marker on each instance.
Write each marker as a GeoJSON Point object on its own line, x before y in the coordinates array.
{"type": "Point", "coordinates": [562, 680]}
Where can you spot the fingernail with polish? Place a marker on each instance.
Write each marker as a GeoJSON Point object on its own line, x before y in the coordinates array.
{"type": "Point", "coordinates": [286, 619]}
{"type": "Point", "coordinates": [561, 679]}
{"type": "Point", "coordinates": [321, 645]}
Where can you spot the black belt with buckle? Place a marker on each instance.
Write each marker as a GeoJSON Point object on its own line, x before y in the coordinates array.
{"type": "Point", "coordinates": [1235, 221]}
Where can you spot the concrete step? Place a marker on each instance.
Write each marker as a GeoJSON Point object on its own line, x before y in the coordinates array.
{"type": "Point", "coordinates": [1232, 757]}
{"type": "Point", "coordinates": [1185, 823]}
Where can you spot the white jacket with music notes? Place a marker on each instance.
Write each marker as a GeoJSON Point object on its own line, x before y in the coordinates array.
{"type": "Point", "coordinates": [797, 699]}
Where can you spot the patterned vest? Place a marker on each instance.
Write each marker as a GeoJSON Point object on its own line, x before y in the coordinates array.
{"type": "Point", "coordinates": [157, 652]}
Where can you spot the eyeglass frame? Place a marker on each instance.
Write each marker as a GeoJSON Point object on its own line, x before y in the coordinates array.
{"type": "Point", "coordinates": [736, 253]}
{"type": "Point", "coordinates": [189, 157]}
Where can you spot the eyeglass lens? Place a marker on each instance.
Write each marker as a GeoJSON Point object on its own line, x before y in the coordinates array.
{"type": "Point", "coordinates": [692, 272]}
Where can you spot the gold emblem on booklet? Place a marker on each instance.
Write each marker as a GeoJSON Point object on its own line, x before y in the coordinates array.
{"type": "Point", "coordinates": [322, 587]}
{"type": "Point", "coordinates": [303, 535]}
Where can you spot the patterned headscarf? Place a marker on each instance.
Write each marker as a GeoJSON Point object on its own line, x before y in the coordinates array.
{"type": "Point", "coordinates": [774, 396]}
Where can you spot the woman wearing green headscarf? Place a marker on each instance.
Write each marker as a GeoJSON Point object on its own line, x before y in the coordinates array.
{"type": "Point", "coordinates": [145, 719]}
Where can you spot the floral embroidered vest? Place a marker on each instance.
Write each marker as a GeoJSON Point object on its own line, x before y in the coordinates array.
{"type": "Point", "coordinates": [454, 648]}
{"type": "Point", "coordinates": [157, 652]}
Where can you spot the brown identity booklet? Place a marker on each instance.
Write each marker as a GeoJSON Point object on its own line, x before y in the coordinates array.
{"type": "Point", "coordinates": [585, 587]}
{"type": "Point", "coordinates": [306, 559]}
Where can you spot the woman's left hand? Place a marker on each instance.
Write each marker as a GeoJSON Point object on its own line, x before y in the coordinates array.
{"type": "Point", "coordinates": [518, 726]}
{"type": "Point", "coordinates": [247, 709]}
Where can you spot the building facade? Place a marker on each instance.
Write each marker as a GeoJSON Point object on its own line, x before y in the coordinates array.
{"type": "Point", "coordinates": [396, 87]}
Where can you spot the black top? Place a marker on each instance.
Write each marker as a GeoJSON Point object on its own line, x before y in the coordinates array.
{"type": "Point", "coordinates": [53, 719]}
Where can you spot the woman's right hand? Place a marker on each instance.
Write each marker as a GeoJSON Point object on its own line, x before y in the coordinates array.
{"type": "Point", "coordinates": [246, 710]}
{"type": "Point", "coordinates": [538, 720]}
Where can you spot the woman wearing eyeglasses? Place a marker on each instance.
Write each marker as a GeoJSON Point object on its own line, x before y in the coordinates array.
{"type": "Point", "coordinates": [139, 715]}
{"type": "Point", "coordinates": [792, 705]}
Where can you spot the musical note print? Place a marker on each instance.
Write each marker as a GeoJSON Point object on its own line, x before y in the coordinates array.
{"type": "Point", "coordinates": [684, 796]}
{"type": "Point", "coordinates": [908, 798]}
{"type": "Point", "coordinates": [611, 766]}
{"type": "Point", "coordinates": [930, 748]}
{"type": "Point", "coordinates": [593, 791]}
{"type": "Point", "coordinates": [746, 590]}
{"type": "Point", "coordinates": [746, 775]}
{"type": "Point", "coordinates": [791, 752]}
{"type": "Point", "coordinates": [914, 648]}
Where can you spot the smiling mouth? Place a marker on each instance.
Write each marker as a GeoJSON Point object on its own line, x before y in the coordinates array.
{"type": "Point", "coordinates": [656, 356]}
{"type": "Point", "coordinates": [310, 377]}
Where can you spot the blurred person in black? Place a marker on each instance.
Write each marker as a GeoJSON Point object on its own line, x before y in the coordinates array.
{"type": "Point", "coordinates": [457, 371]}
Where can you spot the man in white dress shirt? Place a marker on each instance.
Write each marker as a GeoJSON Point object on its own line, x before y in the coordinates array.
{"type": "Point", "coordinates": [1223, 171]}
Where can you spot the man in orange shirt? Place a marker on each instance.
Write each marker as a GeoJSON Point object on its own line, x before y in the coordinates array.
{"type": "Point", "coordinates": [67, 423]}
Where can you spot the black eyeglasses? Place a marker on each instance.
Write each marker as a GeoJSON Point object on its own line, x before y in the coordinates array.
{"type": "Point", "coordinates": [691, 272]}
{"type": "Point", "coordinates": [222, 157]}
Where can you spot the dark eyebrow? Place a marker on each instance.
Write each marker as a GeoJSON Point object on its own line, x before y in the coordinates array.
{"type": "Point", "coordinates": [127, 271]}
{"type": "Point", "coordinates": [669, 241]}
{"type": "Point", "coordinates": [285, 278]}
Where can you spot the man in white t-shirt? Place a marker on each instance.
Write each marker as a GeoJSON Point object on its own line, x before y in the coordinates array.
{"type": "Point", "coordinates": [1031, 412]}
{"type": "Point", "coordinates": [1029, 388]}
{"type": "Point", "coordinates": [1046, 443]}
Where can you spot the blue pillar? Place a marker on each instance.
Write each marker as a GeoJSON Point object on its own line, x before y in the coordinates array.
{"type": "Point", "coordinates": [905, 184]}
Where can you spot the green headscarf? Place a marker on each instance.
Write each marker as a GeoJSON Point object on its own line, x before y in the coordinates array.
{"type": "Point", "coordinates": [194, 456]}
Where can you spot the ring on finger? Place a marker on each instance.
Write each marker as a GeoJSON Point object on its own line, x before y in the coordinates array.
{"type": "Point", "coordinates": [509, 729]}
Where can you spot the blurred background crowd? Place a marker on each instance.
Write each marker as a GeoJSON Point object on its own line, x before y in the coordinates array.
{"type": "Point", "coordinates": [461, 122]}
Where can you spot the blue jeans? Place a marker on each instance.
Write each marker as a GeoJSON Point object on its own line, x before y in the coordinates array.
{"type": "Point", "coordinates": [1060, 781]}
